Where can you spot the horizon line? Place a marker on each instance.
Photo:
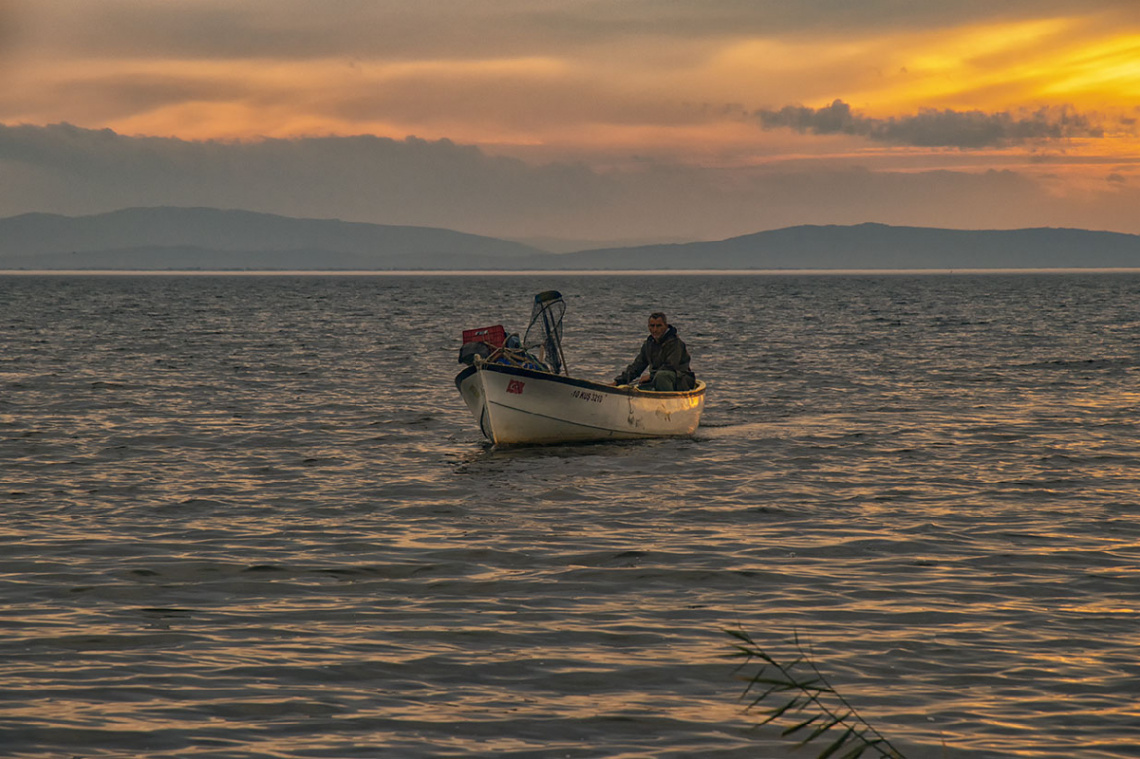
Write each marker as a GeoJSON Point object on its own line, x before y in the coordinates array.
{"type": "Point", "coordinates": [546, 272]}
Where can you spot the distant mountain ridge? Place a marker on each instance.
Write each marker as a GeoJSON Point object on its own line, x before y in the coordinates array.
{"type": "Point", "coordinates": [879, 246]}
{"type": "Point", "coordinates": [166, 238]}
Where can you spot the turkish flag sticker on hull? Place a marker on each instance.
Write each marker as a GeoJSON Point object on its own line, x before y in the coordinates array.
{"type": "Point", "coordinates": [515, 386]}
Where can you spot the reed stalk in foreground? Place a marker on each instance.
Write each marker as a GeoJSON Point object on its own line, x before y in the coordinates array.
{"type": "Point", "coordinates": [808, 702]}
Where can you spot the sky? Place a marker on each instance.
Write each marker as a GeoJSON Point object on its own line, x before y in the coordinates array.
{"type": "Point", "coordinates": [586, 120]}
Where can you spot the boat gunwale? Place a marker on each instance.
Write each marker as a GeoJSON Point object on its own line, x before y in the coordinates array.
{"type": "Point", "coordinates": [624, 390]}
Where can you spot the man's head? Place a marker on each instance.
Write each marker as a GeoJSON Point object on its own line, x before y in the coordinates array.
{"type": "Point", "coordinates": [657, 324]}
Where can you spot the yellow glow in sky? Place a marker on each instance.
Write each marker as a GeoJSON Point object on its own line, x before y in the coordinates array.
{"type": "Point", "coordinates": [605, 89]}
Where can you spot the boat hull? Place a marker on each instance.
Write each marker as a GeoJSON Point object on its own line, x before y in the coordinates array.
{"type": "Point", "coordinates": [517, 406]}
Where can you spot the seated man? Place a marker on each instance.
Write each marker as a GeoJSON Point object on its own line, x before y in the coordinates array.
{"type": "Point", "coordinates": [666, 358]}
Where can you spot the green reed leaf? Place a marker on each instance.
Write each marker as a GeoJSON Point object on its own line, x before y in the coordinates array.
{"type": "Point", "coordinates": [839, 743]}
{"type": "Point", "coordinates": [817, 706]}
{"type": "Point", "coordinates": [799, 726]}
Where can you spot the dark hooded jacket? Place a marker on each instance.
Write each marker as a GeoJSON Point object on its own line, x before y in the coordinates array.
{"type": "Point", "coordinates": [669, 353]}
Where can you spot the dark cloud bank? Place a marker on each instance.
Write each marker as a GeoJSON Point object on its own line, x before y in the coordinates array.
{"type": "Point", "coordinates": [69, 170]}
{"type": "Point", "coordinates": [934, 128]}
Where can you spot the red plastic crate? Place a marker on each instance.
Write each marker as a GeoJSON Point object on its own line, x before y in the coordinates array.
{"type": "Point", "coordinates": [494, 336]}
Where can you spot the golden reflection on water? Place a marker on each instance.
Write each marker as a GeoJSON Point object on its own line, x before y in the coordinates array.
{"type": "Point", "coordinates": [276, 544]}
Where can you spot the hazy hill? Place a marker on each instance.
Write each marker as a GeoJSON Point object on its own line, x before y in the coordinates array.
{"type": "Point", "coordinates": [878, 246]}
{"type": "Point", "coordinates": [165, 238]}
{"type": "Point", "coordinates": [205, 238]}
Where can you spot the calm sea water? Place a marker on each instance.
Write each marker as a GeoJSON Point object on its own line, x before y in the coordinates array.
{"type": "Point", "coordinates": [249, 516]}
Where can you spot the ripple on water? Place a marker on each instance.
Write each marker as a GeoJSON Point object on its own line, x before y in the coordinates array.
{"type": "Point", "coordinates": [250, 516]}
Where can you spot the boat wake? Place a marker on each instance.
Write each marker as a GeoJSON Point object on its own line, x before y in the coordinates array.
{"type": "Point", "coordinates": [715, 431]}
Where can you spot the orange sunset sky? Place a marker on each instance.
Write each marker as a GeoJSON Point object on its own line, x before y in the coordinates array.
{"type": "Point", "coordinates": [598, 120]}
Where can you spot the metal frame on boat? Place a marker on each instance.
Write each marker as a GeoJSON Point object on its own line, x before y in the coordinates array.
{"type": "Point", "coordinates": [518, 399]}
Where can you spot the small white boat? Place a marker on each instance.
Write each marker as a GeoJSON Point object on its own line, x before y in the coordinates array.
{"type": "Point", "coordinates": [518, 399]}
{"type": "Point", "coordinates": [514, 406]}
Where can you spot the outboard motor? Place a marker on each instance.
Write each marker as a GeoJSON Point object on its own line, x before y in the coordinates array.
{"type": "Point", "coordinates": [545, 329]}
